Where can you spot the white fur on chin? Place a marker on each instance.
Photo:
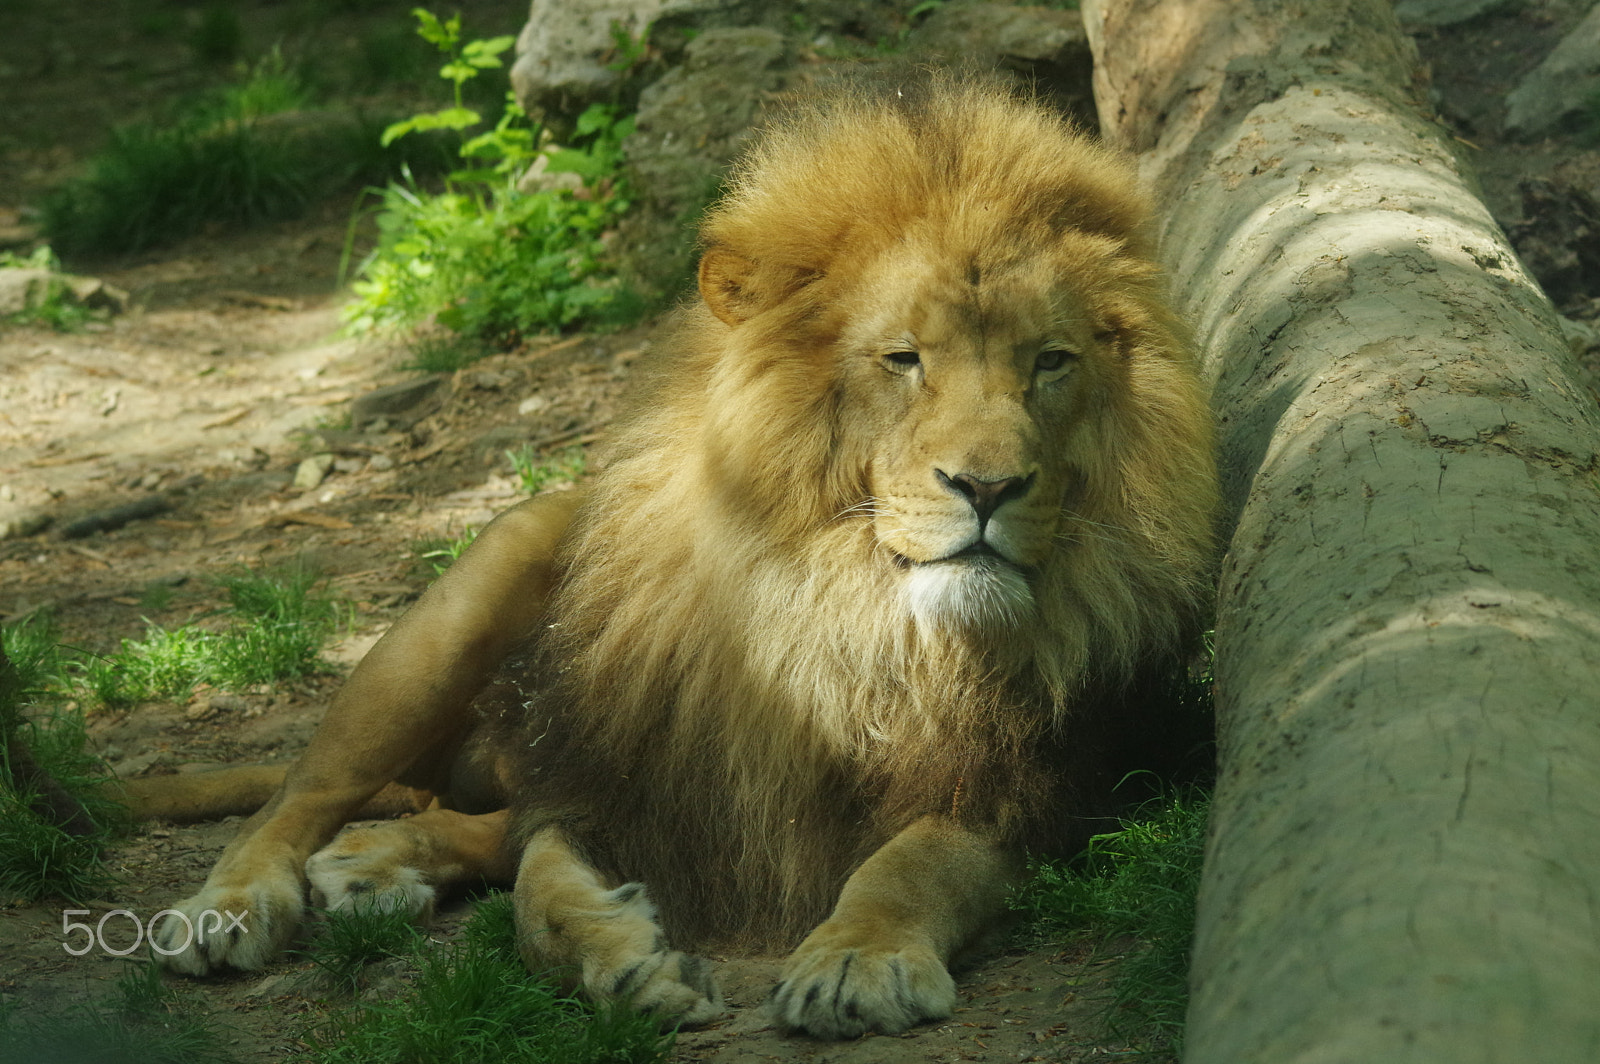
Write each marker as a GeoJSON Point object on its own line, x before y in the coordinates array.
{"type": "Point", "coordinates": [967, 594]}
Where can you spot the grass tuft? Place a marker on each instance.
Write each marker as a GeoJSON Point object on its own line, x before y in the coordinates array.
{"type": "Point", "coordinates": [277, 625]}
{"type": "Point", "coordinates": [251, 152]}
{"type": "Point", "coordinates": [1139, 883]}
{"type": "Point", "coordinates": [472, 1001]}
{"type": "Point", "coordinates": [535, 473]}
{"type": "Point", "coordinates": [42, 761]}
{"type": "Point", "coordinates": [351, 939]}
{"type": "Point", "coordinates": [443, 352]}
{"type": "Point", "coordinates": [442, 551]}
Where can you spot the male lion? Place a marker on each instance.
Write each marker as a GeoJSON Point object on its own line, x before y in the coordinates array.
{"type": "Point", "coordinates": [920, 482]}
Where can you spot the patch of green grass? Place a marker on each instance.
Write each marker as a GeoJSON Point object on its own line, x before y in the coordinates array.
{"type": "Point", "coordinates": [157, 183]}
{"type": "Point", "coordinates": [536, 473]}
{"type": "Point", "coordinates": [473, 1001]}
{"type": "Point", "coordinates": [50, 782]}
{"type": "Point", "coordinates": [443, 352]}
{"type": "Point", "coordinates": [442, 551]}
{"type": "Point", "coordinates": [147, 1024]}
{"type": "Point", "coordinates": [39, 860]}
{"type": "Point", "coordinates": [1139, 882]}
{"type": "Point", "coordinates": [277, 624]}
{"type": "Point", "coordinates": [248, 153]}
{"type": "Point", "coordinates": [351, 939]}
{"type": "Point", "coordinates": [42, 761]}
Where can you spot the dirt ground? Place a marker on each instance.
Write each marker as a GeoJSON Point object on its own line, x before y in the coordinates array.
{"type": "Point", "coordinates": [227, 371]}
{"type": "Point", "coordinates": [219, 392]}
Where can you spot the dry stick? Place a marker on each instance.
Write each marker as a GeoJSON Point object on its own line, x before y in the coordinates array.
{"type": "Point", "coordinates": [1403, 862]}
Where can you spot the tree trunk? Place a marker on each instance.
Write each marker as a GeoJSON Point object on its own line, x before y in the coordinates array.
{"type": "Point", "coordinates": [1404, 858]}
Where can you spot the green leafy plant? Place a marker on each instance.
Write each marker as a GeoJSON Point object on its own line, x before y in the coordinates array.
{"type": "Point", "coordinates": [536, 473]}
{"type": "Point", "coordinates": [481, 258]}
{"type": "Point", "coordinates": [473, 1001]}
{"type": "Point", "coordinates": [50, 303]}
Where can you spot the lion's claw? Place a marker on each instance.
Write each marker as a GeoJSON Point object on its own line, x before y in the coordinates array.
{"type": "Point", "coordinates": [677, 989]}
{"type": "Point", "coordinates": [844, 993]}
{"type": "Point", "coordinates": [243, 928]}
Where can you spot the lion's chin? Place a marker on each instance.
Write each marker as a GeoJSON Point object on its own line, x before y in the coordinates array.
{"type": "Point", "coordinates": [968, 593]}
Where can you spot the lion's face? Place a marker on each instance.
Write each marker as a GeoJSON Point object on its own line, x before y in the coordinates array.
{"type": "Point", "coordinates": [971, 380]}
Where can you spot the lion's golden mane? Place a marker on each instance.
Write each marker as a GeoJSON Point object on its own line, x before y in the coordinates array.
{"type": "Point", "coordinates": [730, 700]}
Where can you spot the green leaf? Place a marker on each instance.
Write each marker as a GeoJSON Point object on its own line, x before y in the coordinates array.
{"type": "Point", "coordinates": [596, 116]}
{"type": "Point", "coordinates": [569, 161]}
{"type": "Point", "coordinates": [458, 71]}
{"type": "Point", "coordinates": [449, 118]}
{"type": "Point", "coordinates": [478, 176]}
{"type": "Point", "coordinates": [484, 54]}
{"type": "Point", "coordinates": [444, 35]}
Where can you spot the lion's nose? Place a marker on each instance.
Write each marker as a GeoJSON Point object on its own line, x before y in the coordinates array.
{"type": "Point", "coordinates": [986, 496]}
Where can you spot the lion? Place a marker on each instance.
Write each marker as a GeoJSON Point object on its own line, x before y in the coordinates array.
{"type": "Point", "coordinates": [921, 481]}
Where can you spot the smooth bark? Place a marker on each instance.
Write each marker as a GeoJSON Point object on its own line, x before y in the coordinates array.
{"type": "Point", "coordinates": [1404, 859]}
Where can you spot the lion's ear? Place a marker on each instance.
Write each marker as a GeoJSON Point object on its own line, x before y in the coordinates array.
{"type": "Point", "coordinates": [737, 289]}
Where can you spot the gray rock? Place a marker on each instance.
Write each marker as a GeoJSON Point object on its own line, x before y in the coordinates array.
{"type": "Point", "coordinates": [311, 472]}
{"type": "Point", "coordinates": [567, 55]}
{"type": "Point", "coordinates": [690, 125]}
{"type": "Point", "coordinates": [16, 524]}
{"type": "Point", "coordinates": [402, 403]}
{"type": "Point", "coordinates": [1559, 89]}
{"type": "Point", "coordinates": [1043, 47]}
{"type": "Point", "coordinates": [1432, 13]}
{"type": "Point", "coordinates": [22, 287]}
{"type": "Point", "coordinates": [96, 294]}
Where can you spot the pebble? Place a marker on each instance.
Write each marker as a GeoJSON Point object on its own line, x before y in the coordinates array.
{"type": "Point", "coordinates": [312, 471]}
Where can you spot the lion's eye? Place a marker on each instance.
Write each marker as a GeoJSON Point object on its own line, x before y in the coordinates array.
{"type": "Point", "coordinates": [903, 361]}
{"type": "Point", "coordinates": [1053, 359]}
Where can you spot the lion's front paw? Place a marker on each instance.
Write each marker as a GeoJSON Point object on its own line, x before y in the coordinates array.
{"type": "Point", "coordinates": [675, 988]}
{"type": "Point", "coordinates": [626, 959]}
{"type": "Point", "coordinates": [241, 927]}
{"type": "Point", "coordinates": [366, 868]}
{"type": "Point", "coordinates": [839, 985]}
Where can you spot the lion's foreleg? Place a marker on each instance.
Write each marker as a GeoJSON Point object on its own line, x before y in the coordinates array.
{"type": "Point", "coordinates": [881, 961]}
{"type": "Point", "coordinates": [407, 700]}
{"type": "Point", "coordinates": [605, 940]}
{"type": "Point", "coordinates": [404, 864]}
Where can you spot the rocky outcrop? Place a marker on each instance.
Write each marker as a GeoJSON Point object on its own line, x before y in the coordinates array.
{"type": "Point", "coordinates": [1562, 88]}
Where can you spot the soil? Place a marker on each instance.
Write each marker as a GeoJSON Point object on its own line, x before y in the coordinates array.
{"type": "Point", "coordinates": [229, 369]}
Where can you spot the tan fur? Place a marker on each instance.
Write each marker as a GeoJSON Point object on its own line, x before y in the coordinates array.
{"type": "Point", "coordinates": [918, 484]}
{"type": "Point", "coordinates": [742, 670]}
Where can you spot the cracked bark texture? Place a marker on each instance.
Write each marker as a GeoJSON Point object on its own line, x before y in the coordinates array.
{"type": "Point", "coordinates": [1404, 858]}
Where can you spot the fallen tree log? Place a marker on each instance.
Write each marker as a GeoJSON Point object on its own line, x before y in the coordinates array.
{"type": "Point", "coordinates": [1404, 858]}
